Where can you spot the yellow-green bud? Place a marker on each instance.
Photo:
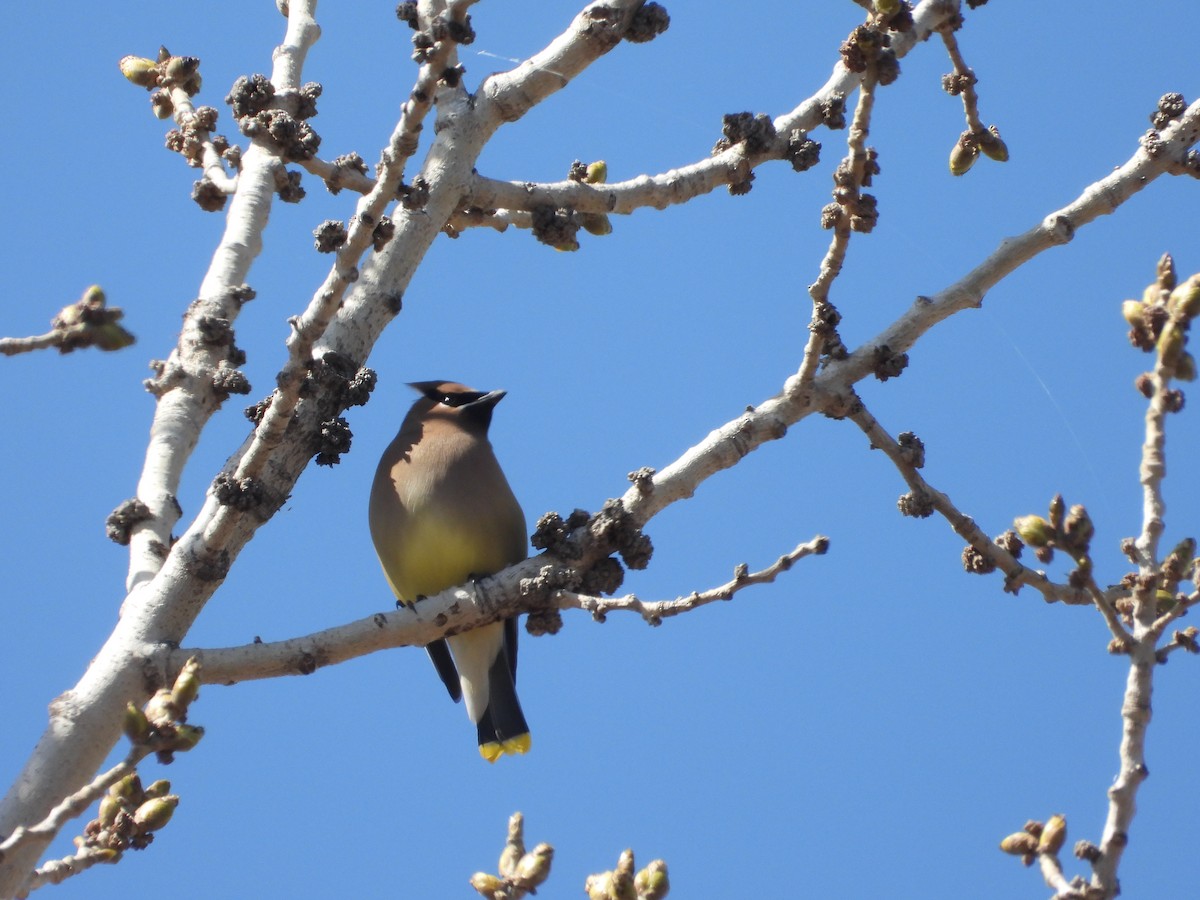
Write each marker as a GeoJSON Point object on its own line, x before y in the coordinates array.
{"type": "Point", "coordinates": [186, 737]}
{"type": "Point", "coordinates": [128, 788]}
{"type": "Point", "coordinates": [598, 887]}
{"type": "Point", "coordinates": [886, 7]}
{"type": "Point", "coordinates": [159, 788]}
{"type": "Point", "coordinates": [135, 724]}
{"type": "Point", "coordinates": [1054, 834]}
{"type": "Point", "coordinates": [154, 814]}
{"type": "Point", "coordinates": [488, 885]}
{"type": "Point", "coordinates": [1034, 530]}
{"type": "Point", "coordinates": [964, 154]}
{"type": "Point", "coordinates": [595, 223]}
{"type": "Point", "coordinates": [992, 145]}
{"type": "Point", "coordinates": [1185, 299]}
{"type": "Point", "coordinates": [534, 867]}
{"type": "Point", "coordinates": [1170, 344]}
{"type": "Point", "coordinates": [1019, 844]}
{"type": "Point", "coordinates": [93, 296]}
{"type": "Point", "coordinates": [187, 683]}
{"type": "Point", "coordinates": [1134, 312]}
{"type": "Point", "coordinates": [139, 70]}
{"type": "Point", "coordinates": [597, 172]}
{"type": "Point", "coordinates": [104, 855]}
{"type": "Point", "coordinates": [652, 882]}
{"type": "Point", "coordinates": [111, 336]}
{"type": "Point", "coordinates": [109, 807]}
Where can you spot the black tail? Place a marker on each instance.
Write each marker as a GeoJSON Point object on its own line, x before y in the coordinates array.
{"type": "Point", "coordinates": [502, 728]}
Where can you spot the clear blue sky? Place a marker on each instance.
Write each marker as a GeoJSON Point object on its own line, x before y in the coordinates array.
{"type": "Point", "coordinates": [872, 724]}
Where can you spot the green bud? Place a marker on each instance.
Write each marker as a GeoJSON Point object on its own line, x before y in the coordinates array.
{"type": "Point", "coordinates": [534, 867]}
{"type": "Point", "coordinates": [652, 882]}
{"type": "Point", "coordinates": [964, 154]}
{"type": "Point", "coordinates": [1134, 313]}
{"type": "Point", "coordinates": [598, 887]}
{"type": "Point", "coordinates": [109, 807]}
{"type": "Point", "coordinates": [595, 223]}
{"type": "Point", "coordinates": [1170, 344]}
{"type": "Point", "coordinates": [886, 7]}
{"type": "Point", "coordinates": [187, 684]}
{"type": "Point", "coordinates": [1034, 530]}
{"type": "Point", "coordinates": [128, 788]}
{"type": "Point", "coordinates": [135, 725]}
{"type": "Point", "coordinates": [488, 885]}
{"type": "Point", "coordinates": [597, 172]}
{"type": "Point", "coordinates": [186, 737]}
{"type": "Point", "coordinates": [1185, 299]}
{"type": "Point", "coordinates": [159, 788]}
{"type": "Point", "coordinates": [180, 68]}
{"type": "Point", "coordinates": [111, 336]}
{"type": "Point", "coordinates": [139, 70]}
{"type": "Point", "coordinates": [992, 145]}
{"type": "Point", "coordinates": [1054, 834]}
{"type": "Point", "coordinates": [154, 814]}
{"type": "Point", "coordinates": [1019, 844]}
{"type": "Point", "coordinates": [104, 855]}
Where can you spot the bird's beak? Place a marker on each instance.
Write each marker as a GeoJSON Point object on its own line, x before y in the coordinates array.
{"type": "Point", "coordinates": [489, 400]}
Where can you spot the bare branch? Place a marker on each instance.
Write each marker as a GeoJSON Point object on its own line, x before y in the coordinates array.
{"type": "Point", "coordinates": [654, 611]}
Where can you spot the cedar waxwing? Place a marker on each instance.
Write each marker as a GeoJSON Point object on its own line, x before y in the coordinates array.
{"type": "Point", "coordinates": [442, 513]}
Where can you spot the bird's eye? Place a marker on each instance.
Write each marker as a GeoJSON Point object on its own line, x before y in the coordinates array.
{"type": "Point", "coordinates": [462, 398]}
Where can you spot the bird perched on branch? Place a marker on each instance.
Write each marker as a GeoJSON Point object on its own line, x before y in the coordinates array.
{"type": "Point", "coordinates": [442, 513]}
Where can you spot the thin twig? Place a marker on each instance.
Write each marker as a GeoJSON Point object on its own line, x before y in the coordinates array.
{"type": "Point", "coordinates": [1015, 573]}
{"type": "Point", "coordinates": [654, 611]}
{"type": "Point", "coordinates": [13, 346]}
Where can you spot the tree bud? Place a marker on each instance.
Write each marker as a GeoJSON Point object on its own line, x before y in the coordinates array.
{"type": "Point", "coordinates": [1185, 299]}
{"type": "Point", "coordinates": [488, 885]}
{"type": "Point", "coordinates": [159, 788]}
{"type": "Point", "coordinates": [1054, 834]}
{"type": "Point", "coordinates": [534, 867]}
{"type": "Point", "coordinates": [154, 814]}
{"type": "Point", "coordinates": [139, 70]}
{"type": "Point", "coordinates": [135, 725]}
{"type": "Point", "coordinates": [992, 145]}
{"type": "Point", "coordinates": [187, 684]}
{"type": "Point", "coordinates": [652, 882]}
{"type": "Point", "coordinates": [1019, 844]}
{"type": "Point", "coordinates": [597, 172]}
{"type": "Point", "coordinates": [1134, 313]}
{"type": "Point", "coordinates": [1034, 530]}
{"type": "Point", "coordinates": [186, 737]}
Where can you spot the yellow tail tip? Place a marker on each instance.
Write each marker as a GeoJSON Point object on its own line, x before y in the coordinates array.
{"type": "Point", "coordinates": [493, 750]}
